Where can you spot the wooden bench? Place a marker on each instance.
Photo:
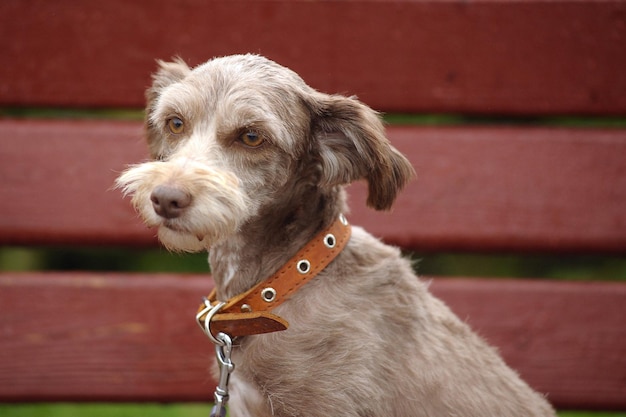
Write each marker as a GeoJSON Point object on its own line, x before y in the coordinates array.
{"type": "Point", "coordinates": [489, 187]}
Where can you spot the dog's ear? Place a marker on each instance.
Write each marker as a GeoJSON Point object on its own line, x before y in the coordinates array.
{"type": "Point", "coordinates": [352, 145]}
{"type": "Point", "coordinates": [167, 74]}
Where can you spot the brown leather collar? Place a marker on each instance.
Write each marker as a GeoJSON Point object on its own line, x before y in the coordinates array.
{"type": "Point", "coordinates": [249, 313]}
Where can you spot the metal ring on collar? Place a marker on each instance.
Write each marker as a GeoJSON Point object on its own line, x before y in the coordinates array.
{"type": "Point", "coordinates": [268, 294]}
{"type": "Point", "coordinates": [303, 266]}
{"type": "Point", "coordinates": [330, 241]}
{"type": "Point", "coordinates": [205, 324]}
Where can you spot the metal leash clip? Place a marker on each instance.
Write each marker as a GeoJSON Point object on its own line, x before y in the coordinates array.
{"type": "Point", "coordinates": [223, 353]}
{"type": "Point", "coordinates": [223, 349]}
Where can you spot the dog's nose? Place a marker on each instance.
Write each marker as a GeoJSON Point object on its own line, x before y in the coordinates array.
{"type": "Point", "coordinates": [169, 202]}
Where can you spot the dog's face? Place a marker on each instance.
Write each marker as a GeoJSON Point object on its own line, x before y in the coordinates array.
{"type": "Point", "coordinates": [231, 137]}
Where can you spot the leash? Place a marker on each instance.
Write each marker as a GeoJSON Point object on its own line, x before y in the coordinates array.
{"type": "Point", "coordinates": [249, 313]}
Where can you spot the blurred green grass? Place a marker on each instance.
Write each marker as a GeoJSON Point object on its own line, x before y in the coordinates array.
{"type": "Point", "coordinates": [427, 119]}
{"type": "Point", "coordinates": [104, 410]}
{"type": "Point", "coordinates": [102, 259]}
{"type": "Point", "coordinates": [160, 410]}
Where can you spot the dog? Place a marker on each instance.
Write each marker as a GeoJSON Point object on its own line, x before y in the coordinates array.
{"type": "Point", "coordinates": [250, 163]}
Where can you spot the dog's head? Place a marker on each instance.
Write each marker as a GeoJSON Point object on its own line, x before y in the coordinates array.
{"type": "Point", "coordinates": [233, 136]}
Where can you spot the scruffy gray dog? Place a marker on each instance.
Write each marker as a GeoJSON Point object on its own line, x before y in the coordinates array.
{"type": "Point", "coordinates": [250, 164]}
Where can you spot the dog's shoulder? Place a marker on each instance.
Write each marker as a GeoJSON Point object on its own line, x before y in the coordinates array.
{"type": "Point", "coordinates": [363, 245]}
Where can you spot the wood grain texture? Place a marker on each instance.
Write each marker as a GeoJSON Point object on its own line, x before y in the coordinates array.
{"type": "Point", "coordinates": [59, 177]}
{"type": "Point", "coordinates": [485, 57]}
{"type": "Point", "coordinates": [521, 189]}
{"type": "Point", "coordinates": [478, 188]}
{"type": "Point", "coordinates": [133, 337]}
{"type": "Point", "coordinates": [103, 337]}
{"type": "Point", "coordinates": [566, 339]}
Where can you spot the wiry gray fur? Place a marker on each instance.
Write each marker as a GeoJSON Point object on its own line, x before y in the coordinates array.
{"type": "Point", "coordinates": [366, 338]}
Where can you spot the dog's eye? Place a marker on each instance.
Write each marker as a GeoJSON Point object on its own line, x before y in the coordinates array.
{"type": "Point", "coordinates": [251, 138]}
{"type": "Point", "coordinates": [175, 125]}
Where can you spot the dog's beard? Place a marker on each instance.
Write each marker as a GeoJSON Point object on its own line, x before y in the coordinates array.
{"type": "Point", "coordinates": [201, 227]}
{"type": "Point", "coordinates": [218, 208]}
{"type": "Point", "coordinates": [177, 241]}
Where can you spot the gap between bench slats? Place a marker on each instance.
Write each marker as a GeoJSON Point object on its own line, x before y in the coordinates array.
{"type": "Point", "coordinates": [128, 337]}
{"type": "Point", "coordinates": [524, 57]}
{"type": "Point", "coordinates": [478, 188]}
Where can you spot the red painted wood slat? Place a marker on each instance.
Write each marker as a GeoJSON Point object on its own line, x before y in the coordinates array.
{"type": "Point", "coordinates": [59, 177]}
{"type": "Point", "coordinates": [133, 337]}
{"type": "Point", "coordinates": [478, 188]}
{"type": "Point", "coordinates": [502, 57]}
{"type": "Point", "coordinates": [103, 337]}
